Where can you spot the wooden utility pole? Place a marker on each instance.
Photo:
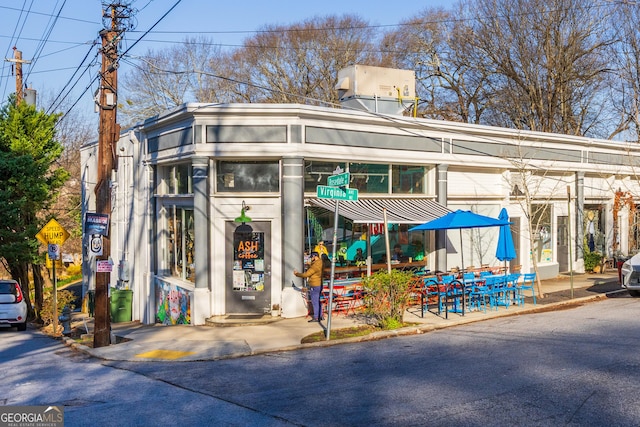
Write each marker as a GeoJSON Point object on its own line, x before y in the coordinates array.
{"type": "Point", "coordinates": [109, 131]}
{"type": "Point", "coordinates": [17, 59]}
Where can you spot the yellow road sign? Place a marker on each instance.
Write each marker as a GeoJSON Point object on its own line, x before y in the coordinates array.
{"type": "Point", "coordinates": [53, 233]}
{"type": "Point", "coordinates": [49, 263]}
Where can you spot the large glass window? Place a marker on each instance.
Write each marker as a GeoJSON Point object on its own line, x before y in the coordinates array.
{"type": "Point", "coordinates": [542, 248]}
{"type": "Point", "coordinates": [248, 177]}
{"type": "Point", "coordinates": [180, 247]}
{"type": "Point", "coordinates": [369, 178]}
{"type": "Point", "coordinates": [175, 179]}
{"type": "Point", "coordinates": [316, 173]}
{"type": "Point", "coordinates": [408, 179]}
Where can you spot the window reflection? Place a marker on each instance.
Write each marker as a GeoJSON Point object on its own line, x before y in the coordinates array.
{"type": "Point", "coordinates": [258, 177]}
{"type": "Point", "coordinates": [180, 252]}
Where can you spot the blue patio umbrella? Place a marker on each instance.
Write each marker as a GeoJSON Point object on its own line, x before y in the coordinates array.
{"type": "Point", "coordinates": [505, 251]}
{"type": "Point", "coordinates": [458, 220]}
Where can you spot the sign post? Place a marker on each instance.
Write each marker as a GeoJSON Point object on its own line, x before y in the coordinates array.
{"type": "Point", "coordinates": [337, 189]}
{"type": "Point", "coordinates": [53, 235]}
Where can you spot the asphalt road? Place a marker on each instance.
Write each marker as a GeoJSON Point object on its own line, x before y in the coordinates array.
{"type": "Point", "coordinates": [572, 367]}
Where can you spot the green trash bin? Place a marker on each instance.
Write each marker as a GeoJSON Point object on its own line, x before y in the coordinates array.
{"type": "Point", "coordinates": [121, 305]}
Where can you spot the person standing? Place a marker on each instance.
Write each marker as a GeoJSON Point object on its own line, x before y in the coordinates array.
{"type": "Point", "coordinates": [314, 282]}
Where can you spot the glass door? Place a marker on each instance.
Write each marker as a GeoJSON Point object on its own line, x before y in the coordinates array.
{"type": "Point", "coordinates": [248, 268]}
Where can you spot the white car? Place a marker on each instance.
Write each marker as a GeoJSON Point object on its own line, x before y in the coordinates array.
{"type": "Point", "coordinates": [630, 273]}
{"type": "Point", "coordinates": [13, 307]}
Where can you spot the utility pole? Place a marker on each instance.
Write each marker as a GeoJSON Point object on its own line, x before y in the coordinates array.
{"type": "Point", "coordinates": [17, 59]}
{"type": "Point", "coordinates": [108, 132]}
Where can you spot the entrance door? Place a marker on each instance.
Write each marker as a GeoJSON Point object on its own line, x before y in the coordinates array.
{"type": "Point", "coordinates": [515, 233]}
{"type": "Point", "coordinates": [248, 267]}
{"type": "Point", "coordinates": [563, 244]}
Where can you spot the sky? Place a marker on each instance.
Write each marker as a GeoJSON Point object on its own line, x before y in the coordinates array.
{"type": "Point", "coordinates": [59, 36]}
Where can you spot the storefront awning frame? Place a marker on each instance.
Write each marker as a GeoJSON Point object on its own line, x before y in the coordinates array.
{"type": "Point", "coordinates": [399, 210]}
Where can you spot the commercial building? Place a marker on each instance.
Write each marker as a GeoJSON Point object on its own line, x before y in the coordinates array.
{"type": "Point", "coordinates": [215, 204]}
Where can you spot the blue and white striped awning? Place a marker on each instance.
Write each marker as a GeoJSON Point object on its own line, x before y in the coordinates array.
{"type": "Point", "coordinates": [371, 211]}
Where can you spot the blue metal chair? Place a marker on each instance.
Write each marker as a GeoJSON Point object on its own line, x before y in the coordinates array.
{"type": "Point", "coordinates": [528, 284]}
{"type": "Point", "coordinates": [512, 283]}
{"type": "Point", "coordinates": [433, 293]}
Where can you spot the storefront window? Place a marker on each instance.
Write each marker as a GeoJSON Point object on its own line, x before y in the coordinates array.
{"type": "Point", "coordinates": [408, 179]}
{"type": "Point", "coordinates": [316, 173]}
{"type": "Point", "coordinates": [181, 243]}
{"type": "Point", "coordinates": [593, 226]}
{"type": "Point", "coordinates": [175, 179]}
{"type": "Point", "coordinates": [542, 249]}
{"type": "Point", "coordinates": [248, 177]}
{"type": "Point", "coordinates": [369, 178]}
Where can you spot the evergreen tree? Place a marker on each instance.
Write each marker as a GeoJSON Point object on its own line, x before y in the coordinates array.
{"type": "Point", "coordinates": [29, 182]}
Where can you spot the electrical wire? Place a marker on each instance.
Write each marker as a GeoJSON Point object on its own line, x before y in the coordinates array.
{"type": "Point", "coordinates": [45, 38]}
{"type": "Point", "coordinates": [121, 55]}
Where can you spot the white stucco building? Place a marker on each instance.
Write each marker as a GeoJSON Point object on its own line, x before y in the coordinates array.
{"type": "Point", "coordinates": [183, 177]}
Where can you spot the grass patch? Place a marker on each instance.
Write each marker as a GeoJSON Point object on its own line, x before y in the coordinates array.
{"type": "Point", "coordinates": [336, 334]}
{"type": "Point", "coordinates": [351, 332]}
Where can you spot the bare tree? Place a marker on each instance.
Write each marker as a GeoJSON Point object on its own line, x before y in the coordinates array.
{"type": "Point", "coordinates": [168, 78]}
{"type": "Point", "coordinates": [625, 57]}
{"type": "Point", "coordinates": [450, 83]}
{"type": "Point", "coordinates": [534, 189]}
{"type": "Point", "coordinates": [300, 63]}
{"type": "Point", "coordinates": [548, 61]}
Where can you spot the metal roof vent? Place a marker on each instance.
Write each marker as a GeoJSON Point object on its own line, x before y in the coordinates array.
{"type": "Point", "coordinates": [377, 89]}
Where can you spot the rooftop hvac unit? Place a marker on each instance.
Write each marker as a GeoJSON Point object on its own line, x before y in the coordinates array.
{"type": "Point", "coordinates": [377, 89]}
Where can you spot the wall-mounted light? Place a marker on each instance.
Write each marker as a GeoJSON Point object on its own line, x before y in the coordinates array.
{"type": "Point", "coordinates": [382, 179]}
{"type": "Point", "coordinates": [319, 177]}
{"type": "Point", "coordinates": [243, 217]}
{"type": "Point", "coordinates": [367, 180]}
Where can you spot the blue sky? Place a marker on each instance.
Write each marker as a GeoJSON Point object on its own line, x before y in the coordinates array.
{"type": "Point", "coordinates": [56, 51]}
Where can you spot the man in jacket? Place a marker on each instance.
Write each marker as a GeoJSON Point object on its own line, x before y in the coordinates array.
{"type": "Point", "coordinates": [314, 281]}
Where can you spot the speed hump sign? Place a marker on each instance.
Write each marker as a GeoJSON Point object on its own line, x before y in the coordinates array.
{"type": "Point", "coordinates": [53, 232]}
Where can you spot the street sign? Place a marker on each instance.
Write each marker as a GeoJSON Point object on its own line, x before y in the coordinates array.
{"type": "Point", "coordinates": [53, 250]}
{"type": "Point", "coordinates": [340, 180]}
{"type": "Point", "coordinates": [53, 233]}
{"type": "Point", "coordinates": [337, 193]}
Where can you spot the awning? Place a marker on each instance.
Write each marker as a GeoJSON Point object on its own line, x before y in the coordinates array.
{"type": "Point", "coordinates": [399, 211]}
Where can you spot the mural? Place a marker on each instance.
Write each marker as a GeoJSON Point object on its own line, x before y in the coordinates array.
{"type": "Point", "coordinates": [173, 304]}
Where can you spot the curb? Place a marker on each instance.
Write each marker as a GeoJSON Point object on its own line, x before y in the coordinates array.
{"type": "Point", "coordinates": [379, 335]}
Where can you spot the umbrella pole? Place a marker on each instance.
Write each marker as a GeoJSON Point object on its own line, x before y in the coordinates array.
{"type": "Point", "coordinates": [462, 261]}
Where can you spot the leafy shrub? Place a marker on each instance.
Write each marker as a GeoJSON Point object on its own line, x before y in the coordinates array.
{"type": "Point", "coordinates": [387, 296]}
{"type": "Point", "coordinates": [63, 298]}
{"type": "Point", "coordinates": [74, 270]}
{"type": "Point", "coordinates": [592, 260]}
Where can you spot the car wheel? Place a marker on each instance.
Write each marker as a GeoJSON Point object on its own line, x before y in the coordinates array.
{"type": "Point", "coordinates": [634, 293]}
{"type": "Point", "coordinates": [22, 326]}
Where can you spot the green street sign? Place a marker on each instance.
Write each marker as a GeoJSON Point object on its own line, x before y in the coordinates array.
{"type": "Point", "coordinates": [337, 193]}
{"type": "Point", "coordinates": [340, 180]}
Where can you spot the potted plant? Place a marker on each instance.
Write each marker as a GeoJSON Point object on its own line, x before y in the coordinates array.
{"type": "Point", "coordinates": [275, 310]}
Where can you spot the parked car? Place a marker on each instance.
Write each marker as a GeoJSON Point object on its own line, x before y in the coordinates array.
{"type": "Point", "coordinates": [13, 307]}
{"type": "Point", "coordinates": [630, 275]}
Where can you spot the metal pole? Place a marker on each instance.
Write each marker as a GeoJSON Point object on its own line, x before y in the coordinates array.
{"type": "Point", "coordinates": [386, 239]}
{"type": "Point", "coordinates": [569, 234]}
{"type": "Point", "coordinates": [54, 298]}
{"type": "Point", "coordinates": [333, 269]}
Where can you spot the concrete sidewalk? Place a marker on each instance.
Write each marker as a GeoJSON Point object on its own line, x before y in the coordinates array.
{"type": "Point", "coordinates": [192, 343]}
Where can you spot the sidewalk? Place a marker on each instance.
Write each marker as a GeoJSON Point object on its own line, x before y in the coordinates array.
{"type": "Point", "coordinates": [192, 343]}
